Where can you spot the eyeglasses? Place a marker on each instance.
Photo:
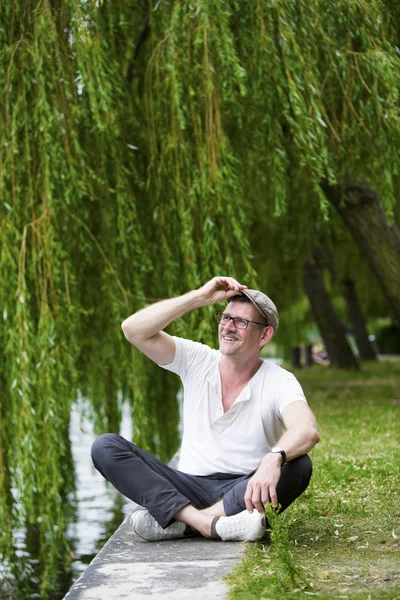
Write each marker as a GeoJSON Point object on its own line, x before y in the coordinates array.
{"type": "Point", "coordinates": [238, 322]}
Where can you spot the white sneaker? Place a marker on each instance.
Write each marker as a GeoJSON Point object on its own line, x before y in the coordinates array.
{"type": "Point", "coordinates": [146, 527]}
{"type": "Point", "coordinates": [243, 527]}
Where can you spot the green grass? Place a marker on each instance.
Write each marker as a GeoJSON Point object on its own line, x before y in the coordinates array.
{"type": "Point", "coordinates": [337, 540]}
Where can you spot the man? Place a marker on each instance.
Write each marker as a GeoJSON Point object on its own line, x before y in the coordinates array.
{"type": "Point", "coordinates": [235, 455]}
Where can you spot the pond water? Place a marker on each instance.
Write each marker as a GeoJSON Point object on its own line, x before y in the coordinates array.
{"type": "Point", "coordinates": [100, 510]}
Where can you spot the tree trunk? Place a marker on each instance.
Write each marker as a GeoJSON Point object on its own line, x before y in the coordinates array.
{"type": "Point", "coordinates": [379, 242]}
{"type": "Point", "coordinates": [365, 348]}
{"type": "Point", "coordinates": [308, 359]}
{"type": "Point", "coordinates": [330, 327]}
{"type": "Point", "coordinates": [296, 364]}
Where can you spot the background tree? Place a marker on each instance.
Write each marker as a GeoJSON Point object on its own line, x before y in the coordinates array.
{"type": "Point", "coordinates": [330, 326]}
{"type": "Point", "coordinates": [379, 241]}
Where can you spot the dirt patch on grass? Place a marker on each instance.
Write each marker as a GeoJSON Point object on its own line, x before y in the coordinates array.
{"type": "Point", "coordinates": [351, 577]}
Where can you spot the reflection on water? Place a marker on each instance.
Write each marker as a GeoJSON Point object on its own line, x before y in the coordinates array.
{"type": "Point", "coordinates": [100, 507]}
{"type": "Point", "coordinates": [100, 510]}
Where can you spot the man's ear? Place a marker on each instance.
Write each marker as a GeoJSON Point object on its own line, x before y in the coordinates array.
{"type": "Point", "coordinates": [266, 336]}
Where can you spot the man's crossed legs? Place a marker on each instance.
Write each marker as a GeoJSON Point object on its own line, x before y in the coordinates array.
{"type": "Point", "coordinates": [178, 503]}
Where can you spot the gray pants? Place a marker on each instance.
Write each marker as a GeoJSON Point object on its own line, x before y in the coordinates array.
{"type": "Point", "coordinates": [164, 491]}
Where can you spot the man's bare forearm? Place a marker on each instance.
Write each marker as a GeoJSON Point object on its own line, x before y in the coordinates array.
{"type": "Point", "coordinates": [298, 440]}
{"type": "Point", "coordinates": [151, 320]}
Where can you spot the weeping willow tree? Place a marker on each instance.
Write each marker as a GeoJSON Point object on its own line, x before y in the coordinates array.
{"type": "Point", "coordinates": [113, 196]}
{"type": "Point", "coordinates": [139, 143]}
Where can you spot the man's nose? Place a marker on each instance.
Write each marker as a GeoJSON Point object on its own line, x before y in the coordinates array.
{"type": "Point", "coordinates": [231, 323]}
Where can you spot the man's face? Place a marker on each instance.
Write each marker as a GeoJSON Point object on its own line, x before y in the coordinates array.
{"type": "Point", "coordinates": [233, 341]}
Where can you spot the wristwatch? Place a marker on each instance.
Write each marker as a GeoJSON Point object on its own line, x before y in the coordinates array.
{"type": "Point", "coordinates": [277, 450]}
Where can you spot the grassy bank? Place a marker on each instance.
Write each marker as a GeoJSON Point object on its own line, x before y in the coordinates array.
{"type": "Point", "coordinates": [341, 539]}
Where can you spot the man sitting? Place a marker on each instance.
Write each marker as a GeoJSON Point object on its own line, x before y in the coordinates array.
{"type": "Point", "coordinates": [247, 427]}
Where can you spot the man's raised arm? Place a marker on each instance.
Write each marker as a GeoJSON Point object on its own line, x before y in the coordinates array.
{"type": "Point", "coordinates": [144, 329]}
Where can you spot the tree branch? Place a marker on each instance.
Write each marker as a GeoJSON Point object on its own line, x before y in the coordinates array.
{"type": "Point", "coordinates": [140, 39]}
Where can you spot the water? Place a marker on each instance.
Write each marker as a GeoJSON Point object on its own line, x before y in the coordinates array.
{"type": "Point", "coordinates": [100, 511]}
{"type": "Point", "coordinates": [100, 507]}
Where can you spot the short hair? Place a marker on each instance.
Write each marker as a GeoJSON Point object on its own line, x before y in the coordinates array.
{"type": "Point", "coordinates": [240, 298]}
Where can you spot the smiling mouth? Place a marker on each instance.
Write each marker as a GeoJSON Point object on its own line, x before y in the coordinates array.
{"type": "Point", "coordinates": [230, 338]}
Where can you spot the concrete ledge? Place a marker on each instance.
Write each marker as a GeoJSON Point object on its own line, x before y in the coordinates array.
{"type": "Point", "coordinates": [184, 569]}
{"type": "Point", "coordinates": [127, 567]}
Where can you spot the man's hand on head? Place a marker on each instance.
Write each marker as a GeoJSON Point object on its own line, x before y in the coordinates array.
{"type": "Point", "coordinates": [220, 289]}
{"type": "Point", "coordinates": [261, 488]}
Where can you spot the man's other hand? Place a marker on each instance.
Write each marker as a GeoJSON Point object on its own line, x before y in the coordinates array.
{"type": "Point", "coordinates": [220, 289]}
{"type": "Point", "coordinates": [261, 488]}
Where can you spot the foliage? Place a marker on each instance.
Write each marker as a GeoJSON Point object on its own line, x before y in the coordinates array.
{"type": "Point", "coordinates": [290, 574]}
{"type": "Point", "coordinates": [340, 535]}
{"type": "Point", "coordinates": [125, 161]}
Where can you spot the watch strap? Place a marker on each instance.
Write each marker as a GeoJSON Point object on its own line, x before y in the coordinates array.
{"type": "Point", "coordinates": [281, 452]}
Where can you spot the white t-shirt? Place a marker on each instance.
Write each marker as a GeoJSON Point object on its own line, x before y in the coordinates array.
{"type": "Point", "coordinates": [235, 441]}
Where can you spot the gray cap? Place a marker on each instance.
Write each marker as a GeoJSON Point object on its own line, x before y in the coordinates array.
{"type": "Point", "coordinates": [264, 305]}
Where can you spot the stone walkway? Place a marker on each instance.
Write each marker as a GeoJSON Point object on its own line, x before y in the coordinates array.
{"type": "Point", "coordinates": [187, 569]}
